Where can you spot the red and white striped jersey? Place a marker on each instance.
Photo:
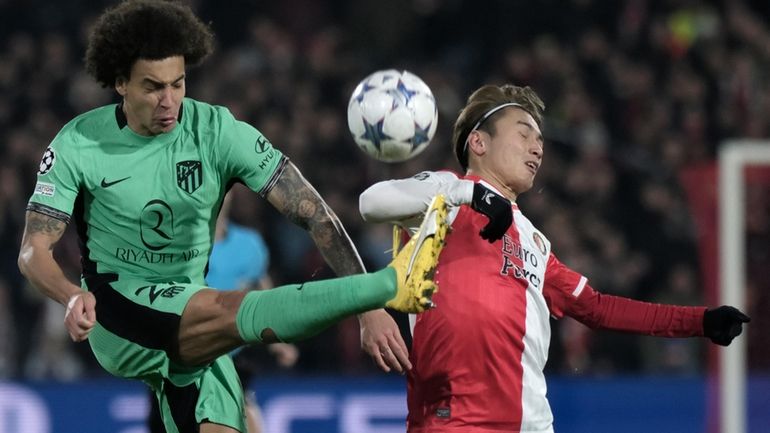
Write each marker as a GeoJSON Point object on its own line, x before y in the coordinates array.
{"type": "Point", "coordinates": [478, 357]}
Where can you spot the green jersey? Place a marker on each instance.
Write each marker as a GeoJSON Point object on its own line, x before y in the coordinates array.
{"type": "Point", "coordinates": [146, 206]}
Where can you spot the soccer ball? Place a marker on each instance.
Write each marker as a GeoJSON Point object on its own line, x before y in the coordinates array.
{"type": "Point", "coordinates": [392, 115]}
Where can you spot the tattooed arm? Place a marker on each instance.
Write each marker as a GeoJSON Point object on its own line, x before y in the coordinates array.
{"type": "Point", "coordinates": [37, 264]}
{"type": "Point", "coordinates": [294, 197]}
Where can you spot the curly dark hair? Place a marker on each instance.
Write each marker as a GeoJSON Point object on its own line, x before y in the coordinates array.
{"type": "Point", "coordinates": [484, 99]}
{"type": "Point", "coordinates": [144, 29]}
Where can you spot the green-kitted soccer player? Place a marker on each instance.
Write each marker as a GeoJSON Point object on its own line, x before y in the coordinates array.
{"type": "Point", "coordinates": [144, 181]}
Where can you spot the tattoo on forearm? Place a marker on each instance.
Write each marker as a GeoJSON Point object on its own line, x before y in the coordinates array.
{"type": "Point", "coordinates": [335, 245]}
{"type": "Point", "coordinates": [301, 204]}
{"type": "Point", "coordinates": [306, 209]}
{"type": "Point", "coordinates": [39, 223]}
{"type": "Point", "coordinates": [294, 198]}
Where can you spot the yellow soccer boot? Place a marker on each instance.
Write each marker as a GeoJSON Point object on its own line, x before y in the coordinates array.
{"type": "Point", "coordinates": [417, 261]}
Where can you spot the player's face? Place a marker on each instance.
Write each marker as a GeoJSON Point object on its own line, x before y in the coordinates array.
{"type": "Point", "coordinates": [515, 152]}
{"type": "Point", "coordinates": [153, 95]}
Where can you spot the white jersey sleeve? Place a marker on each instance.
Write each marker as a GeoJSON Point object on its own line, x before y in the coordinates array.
{"type": "Point", "coordinates": [400, 200]}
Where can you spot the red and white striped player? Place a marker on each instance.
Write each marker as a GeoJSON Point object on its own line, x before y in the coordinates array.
{"type": "Point", "coordinates": [478, 357]}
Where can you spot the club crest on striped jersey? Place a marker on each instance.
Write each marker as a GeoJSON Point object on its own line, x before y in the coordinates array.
{"type": "Point", "coordinates": [539, 242]}
{"type": "Point", "coordinates": [189, 175]}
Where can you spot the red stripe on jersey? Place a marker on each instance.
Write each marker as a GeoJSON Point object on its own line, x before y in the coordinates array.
{"type": "Point", "coordinates": [467, 352]}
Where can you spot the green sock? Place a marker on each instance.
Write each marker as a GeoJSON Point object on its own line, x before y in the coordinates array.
{"type": "Point", "coordinates": [298, 311]}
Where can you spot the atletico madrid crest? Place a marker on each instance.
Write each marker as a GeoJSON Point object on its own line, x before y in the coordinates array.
{"type": "Point", "coordinates": [189, 175]}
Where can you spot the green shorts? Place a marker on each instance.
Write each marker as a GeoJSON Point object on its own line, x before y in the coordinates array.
{"type": "Point", "coordinates": [136, 337]}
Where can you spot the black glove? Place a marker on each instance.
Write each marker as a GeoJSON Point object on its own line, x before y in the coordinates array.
{"type": "Point", "coordinates": [496, 207]}
{"type": "Point", "coordinates": [723, 324]}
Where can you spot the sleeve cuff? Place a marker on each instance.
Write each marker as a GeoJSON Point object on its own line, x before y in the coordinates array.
{"type": "Point", "coordinates": [49, 211]}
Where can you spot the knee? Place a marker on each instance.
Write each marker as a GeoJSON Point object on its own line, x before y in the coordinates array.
{"type": "Point", "coordinates": [213, 304]}
{"type": "Point", "coordinates": [229, 301]}
{"type": "Point", "coordinates": [207, 328]}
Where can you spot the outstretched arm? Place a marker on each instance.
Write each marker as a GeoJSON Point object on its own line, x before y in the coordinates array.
{"type": "Point", "coordinates": [568, 292]}
{"type": "Point", "coordinates": [37, 264]}
{"type": "Point", "coordinates": [600, 311]}
{"type": "Point", "coordinates": [720, 325]}
{"type": "Point", "coordinates": [294, 197]}
{"type": "Point", "coordinates": [402, 199]}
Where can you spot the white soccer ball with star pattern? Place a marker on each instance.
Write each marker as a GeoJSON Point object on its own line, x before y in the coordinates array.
{"type": "Point", "coordinates": [392, 115]}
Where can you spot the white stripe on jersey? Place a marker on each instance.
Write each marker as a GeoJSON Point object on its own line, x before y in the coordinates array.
{"type": "Point", "coordinates": [581, 285]}
{"type": "Point", "coordinates": [536, 411]}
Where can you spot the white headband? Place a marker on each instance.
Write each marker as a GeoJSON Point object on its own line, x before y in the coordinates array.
{"type": "Point", "coordinates": [485, 117]}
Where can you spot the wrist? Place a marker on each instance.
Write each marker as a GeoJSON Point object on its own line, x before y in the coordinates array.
{"type": "Point", "coordinates": [71, 301]}
{"type": "Point", "coordinates": [365, 315]}
{"type": "Point", "coordinates": [70, 293]}
{"type": "Point", "coordinates": [703, 311]}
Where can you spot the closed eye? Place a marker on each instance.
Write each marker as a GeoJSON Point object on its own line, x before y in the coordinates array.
{"type": "Point", "coordinates": [151, 85]}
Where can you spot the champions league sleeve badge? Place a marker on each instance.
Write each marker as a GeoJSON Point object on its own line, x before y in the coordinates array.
{"type": "Point", "coordinates": [46, 163]}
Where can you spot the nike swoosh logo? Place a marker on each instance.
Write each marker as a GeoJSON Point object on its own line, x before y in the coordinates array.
{"type": "Point", "coordinates": [106, 184]}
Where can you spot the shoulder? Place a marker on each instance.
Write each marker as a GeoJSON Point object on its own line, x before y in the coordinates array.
{"type": "Point", "coordinates": [203, 111]}
{"type": "Point", "coordinates": [440, 175]}
{"type": "Point", "coordinates": [204, 119]}
{"type": "Point", "coordinates": [449, 172]}
{"type": "Point", "coordinates": [91, 126]}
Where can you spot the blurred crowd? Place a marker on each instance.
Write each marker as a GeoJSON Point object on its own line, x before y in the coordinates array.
{"type": "Point", "coordinates": [635, 91]}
